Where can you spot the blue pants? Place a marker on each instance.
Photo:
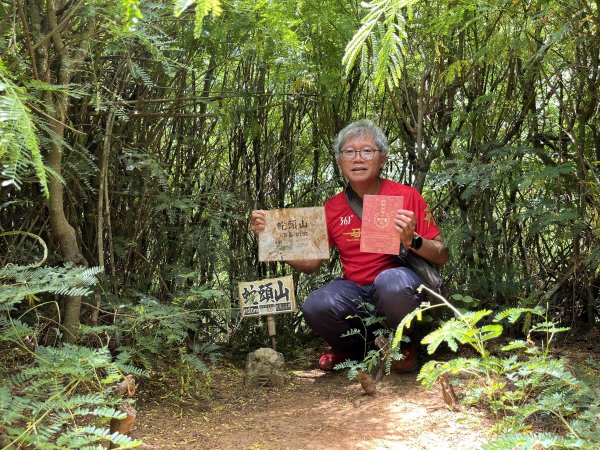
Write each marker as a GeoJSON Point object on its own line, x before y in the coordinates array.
{"type": "Point", "coordinates": [326, 310]}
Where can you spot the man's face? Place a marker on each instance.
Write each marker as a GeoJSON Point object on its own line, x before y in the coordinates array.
{"type": "Point", "coordinates": [360, 170]}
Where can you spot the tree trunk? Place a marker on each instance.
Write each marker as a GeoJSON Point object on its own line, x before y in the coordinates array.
{"type": "Point", "coordinates": [54, 66]}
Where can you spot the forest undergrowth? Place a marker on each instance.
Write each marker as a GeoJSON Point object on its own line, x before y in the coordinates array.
{"type": "Point", "coordinates": [67, 396]}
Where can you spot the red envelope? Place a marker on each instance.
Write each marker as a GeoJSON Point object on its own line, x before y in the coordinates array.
{"type": "Point", "coordinates": [378, 234]}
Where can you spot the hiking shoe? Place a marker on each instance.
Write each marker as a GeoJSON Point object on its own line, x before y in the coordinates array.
{"type": "Point", "coordinates": [409, 363]}
{"type": "Point", "coordinates": [331, 357]}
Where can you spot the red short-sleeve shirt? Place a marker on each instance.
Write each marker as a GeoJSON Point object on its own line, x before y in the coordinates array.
{"type": "Point", "coordinates": [344, 227]}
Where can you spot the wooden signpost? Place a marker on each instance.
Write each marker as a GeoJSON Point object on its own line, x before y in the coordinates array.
{"type": "Point", "coordinates": [267, 298]}
{"type": "Point", "coordinates": [289, 234]}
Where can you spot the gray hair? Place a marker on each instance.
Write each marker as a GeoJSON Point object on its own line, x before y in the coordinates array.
{"type": "Point", "coordinates": [361, 128]}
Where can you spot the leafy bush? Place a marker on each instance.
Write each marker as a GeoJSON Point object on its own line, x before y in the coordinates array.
{"type": "Point", "coordinates": [519, 383]}
{"type": "Point", "coordinates": [165, 338]}
{"type": "Point", "coordinates": [62, 399]}
{"type": "Point", "coordinates": [379, 358]}
{"type": "Point", "coordinates": [54, 397]}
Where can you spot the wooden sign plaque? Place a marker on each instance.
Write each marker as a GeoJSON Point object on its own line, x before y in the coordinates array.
{"type": "Point", "coordinates": [294, 233]}
{"type": "Point", "coordinates": [266, 297]}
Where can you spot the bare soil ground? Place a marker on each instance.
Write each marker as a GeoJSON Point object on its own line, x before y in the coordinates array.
{"type": "Point", "coordinates": [318, 410]}
{"type": "Point", "coordinates": [315, 410]}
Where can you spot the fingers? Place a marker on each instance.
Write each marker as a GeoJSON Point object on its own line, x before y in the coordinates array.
{"type": "Point", "coordinates": [258, 220]}
{"type": "Point", "coordinates": [405, 224]}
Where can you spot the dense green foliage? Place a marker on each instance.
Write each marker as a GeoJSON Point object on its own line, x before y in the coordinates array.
{"type": "Point", "coordinates": [54, 397]}
{"type": "Point", "coordinates": [137, 135]}
{"type": "Point", "coordinates": [518, 380]}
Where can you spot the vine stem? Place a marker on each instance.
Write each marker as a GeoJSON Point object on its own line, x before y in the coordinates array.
{"type": "Point", "coordinates": [31, 235]}
{"type": "Point", "coordinates": [448, 304]}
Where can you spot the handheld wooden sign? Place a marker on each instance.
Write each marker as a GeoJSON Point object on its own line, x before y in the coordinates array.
{"type": "Point", "coordinates": [294, 233]}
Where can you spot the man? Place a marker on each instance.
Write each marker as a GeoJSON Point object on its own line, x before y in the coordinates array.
{"type": "Point", "coordinates": [361, 151]}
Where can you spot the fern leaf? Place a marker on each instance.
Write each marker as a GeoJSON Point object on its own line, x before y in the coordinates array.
{"type": "Point", "coordinates": [533, 440]}
{"type": "Point", "coordinates": [515, 345]}
{"type": "Point", "coordinates": [486, 332]}
{"type": "Point", "coordinates": [473, 317]}
{"type": "Point", "coordinates": [432, 370]}
{"type": "Point", "coordinates": [352, 332]}
{"type": "Point", "coordinates": [513, 314]}
{"type": "Point", "coordinates": [19, 147]}
{"type": "Point", "coordinates": [452, 332]}
{"type": "Point", "coordinates": [116, 438]}
{"type": "Point", "coordinates": [359, 39]}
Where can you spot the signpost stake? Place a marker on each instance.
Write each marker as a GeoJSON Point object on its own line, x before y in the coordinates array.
{"type": "Point", "coordinates": [271, 329]}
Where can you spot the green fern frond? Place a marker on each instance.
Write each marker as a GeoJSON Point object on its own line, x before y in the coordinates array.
{"type": "Point", "coordinates": [432, 370]}
{"type": "Point", "coordinates": [352, 332]}
{"type": "Point", "coordinates": [116, 438]}
{"type": "Point", "coordinates": [473, 317]}
{"type": "Point", "coordinates": [395, 67]}
{"type": "Point", "coordinates": [381, 62]}
{"type": "Point", "coordinates": [369, 321]}
{"type": "Point", "coordinates": [556, 369]}
{"type": "Point", "coordinates": [550, 400]}
{"type": "Point", "coordinates": [515, 345]}
{"type": "Point", "coordinates": [12, 409]}
{"type": "Point", "coordinates": [452, 332]}
{"type": "Point", "coordinates": [139, 72]}
{"type": "Point", "coordinates": [109, 413]}
{"type": "Point", "coordinates": [385, 13]}
{"type": "Point", "coordinates": [485, 333]}
{"type": "Point", "coordinates": [352, 366]}
{"type": "Point", "coordinates": [88, 399]}
{"type": "Point", "coordinates": [534, 440]}
{"type": "Point", "coordinates": [513, 314]}
{"type": "Point", "coordinates": [20, 282]}
{"type": "Point", "coordinates": [14, 330]}
{"type": "Point", "coordinates": [548, 327]}
{"type": "Point", "coordinates": [356, 45]}
{"type": "Point", "coordinates": [406, 322]}
{"type": "Point", "coordinates": [131, 369]}
{"type": "Point", "coordinates": [19, 147]}
{"type": "Point", "coordinates": [20, 378]}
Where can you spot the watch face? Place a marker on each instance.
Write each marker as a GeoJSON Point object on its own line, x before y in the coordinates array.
{"type": "Point", "coordinates": [417, 242]}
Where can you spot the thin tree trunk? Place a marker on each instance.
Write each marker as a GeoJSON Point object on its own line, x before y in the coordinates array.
{"type": "Point", "coordinates": [102, 188]}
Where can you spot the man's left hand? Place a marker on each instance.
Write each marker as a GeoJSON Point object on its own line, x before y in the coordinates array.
{"type": "Point", "coordinates": [406, 222]}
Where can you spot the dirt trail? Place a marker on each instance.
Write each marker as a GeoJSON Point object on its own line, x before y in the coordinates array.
{"type": "Point", "coordinates": [315, 410]}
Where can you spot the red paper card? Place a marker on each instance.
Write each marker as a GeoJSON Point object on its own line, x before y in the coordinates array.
{"type": "Point", "coordinates": [378, 234]}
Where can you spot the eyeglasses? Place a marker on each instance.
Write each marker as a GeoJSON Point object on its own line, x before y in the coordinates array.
{"type": "Point", "coordinates": [367, 153]}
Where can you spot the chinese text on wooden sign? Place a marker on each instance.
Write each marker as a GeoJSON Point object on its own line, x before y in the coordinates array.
{"type": "Point", "coordinates": [294, 233]}
{"type": "Point", "coordinates": [265, 297]}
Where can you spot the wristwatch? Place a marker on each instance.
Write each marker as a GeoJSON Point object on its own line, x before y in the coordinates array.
{"type": "Point", "coordinates": [417, 242]}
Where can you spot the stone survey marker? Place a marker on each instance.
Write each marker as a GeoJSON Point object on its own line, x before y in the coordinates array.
{"type": "Point", "coordinates": [266, 297]}
{"type": "Point", "coordinates": [294, 233]}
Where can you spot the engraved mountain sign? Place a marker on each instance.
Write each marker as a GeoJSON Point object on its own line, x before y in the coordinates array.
{"type": "Point", "coordinates": [294, 233]}
{"type": "Point", "coordinates": [264, 297]}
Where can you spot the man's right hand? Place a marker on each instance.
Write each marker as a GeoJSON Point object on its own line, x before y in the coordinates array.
{"type": "Point", "coordinates": [258, 220]}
